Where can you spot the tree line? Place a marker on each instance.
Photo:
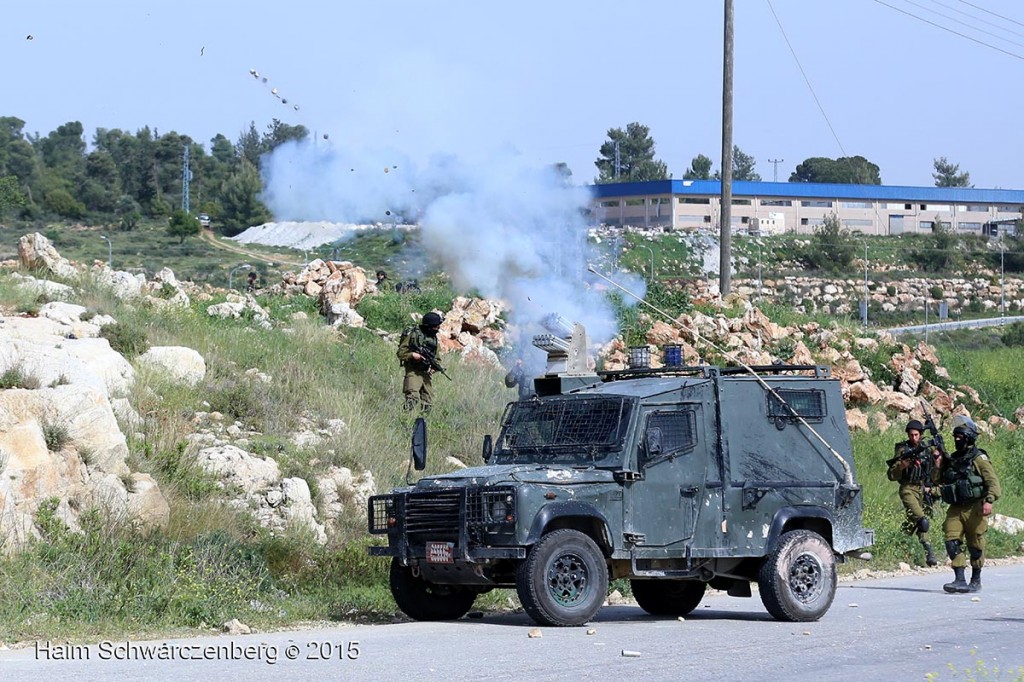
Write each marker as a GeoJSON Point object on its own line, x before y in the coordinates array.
{"type": "Point", "coordinates": [628, 156]}
{"type": "Point", "coordinates": [127, 176]}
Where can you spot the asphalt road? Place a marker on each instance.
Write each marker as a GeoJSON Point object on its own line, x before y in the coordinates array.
{"type": "Point", "coordinates": [899, 628]}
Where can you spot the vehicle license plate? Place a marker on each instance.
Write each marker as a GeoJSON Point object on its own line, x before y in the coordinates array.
{"type": "Point", "coordinates": [440, 552]}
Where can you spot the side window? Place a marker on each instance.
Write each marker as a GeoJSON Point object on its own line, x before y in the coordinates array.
{"type": "Point", "coordinates": [677, 433]}
{"type": "Point", "coordinates": [809, 404]}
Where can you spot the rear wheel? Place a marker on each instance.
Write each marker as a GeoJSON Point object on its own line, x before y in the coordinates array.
{"type": "Point", "coordinates": [797, 581]}
{"type": "Point", "coordinates": [423, 600]}
{"type": "Point", "coordinates": [668, 597]}
{"type": "Point", "coordinates": [564, 579]}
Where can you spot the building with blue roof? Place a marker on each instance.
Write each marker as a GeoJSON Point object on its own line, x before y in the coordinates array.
{"type": "Point", "coordinates": [777, 207]}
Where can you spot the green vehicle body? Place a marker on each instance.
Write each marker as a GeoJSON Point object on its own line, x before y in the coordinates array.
{"type": "Point", "coordinates": [680, 479]}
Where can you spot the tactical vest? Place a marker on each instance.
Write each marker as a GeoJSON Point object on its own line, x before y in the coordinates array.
{"type": "Point", "coordinates": [919, 465]}
{"type": "Point", "coordinates": [961, 484]}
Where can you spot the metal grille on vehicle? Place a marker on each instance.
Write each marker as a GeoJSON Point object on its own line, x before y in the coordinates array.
{"type": "Point", "coordinates": [489, 506]}
{"type": "Point", "coordinates": [433, 515]}
{"type": "Point", "coordinates": [381, 508]}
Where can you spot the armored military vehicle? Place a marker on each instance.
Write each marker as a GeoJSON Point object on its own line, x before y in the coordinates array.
{"type": "Point", "coordinates": [676, 478]}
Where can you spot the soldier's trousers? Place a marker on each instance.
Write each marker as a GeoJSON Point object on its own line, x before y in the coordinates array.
{"type": "Point", "coordinates": [417, 388]}
{"type": "Point", "coordinates": [966, 522]}
{"type": "Point", "coordinates": [912, 497]}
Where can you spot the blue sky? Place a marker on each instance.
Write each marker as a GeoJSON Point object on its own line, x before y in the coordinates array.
{"type": "Point", "coordinates": [546, 79]}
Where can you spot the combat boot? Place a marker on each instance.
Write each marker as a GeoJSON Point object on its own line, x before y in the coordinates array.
{"type": "Point", "coordinates": [975, 584]}
{"type": "Point", "coordinates": [929, 558]}
{"type": "Point", "coordinates": [959, 584]}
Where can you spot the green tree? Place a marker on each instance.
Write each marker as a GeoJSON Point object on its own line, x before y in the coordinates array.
{"type": "Point", "coordinates": [940, 251]}
{"type": "Point", "coordinates": [947, 174]}
{"type": "Point", "coordinates": [852, 170]}
{"type": "Point", "coordinates": [278, 133]}
{"type": "Point", "coordinates": [17, 157]}
{"type": "Point", "coordinates": [635, 153]}
{"type": "Point", "coordinates": [10, 195]}
{"type": "Point", "coordinates": [700, 168]}
{"type": "Point", "coordinates": [563, 173]}
{"type": "Point", "coordinates": [183, 225]}
{"type": "Point", "coordinates": [250, 145]}
{"type": "Point", "coordinates": [128, 213]}
{"type": "Point", "coordinates": [239, 201]}
{"type": "Point", "coordinates": [743, 166]}
{"type": "Point", "coordinates": [101, 184]}
{"type": "Point", "coordinates": [832, 248]}
{"type": "Point", "coordinates": [60, 201]}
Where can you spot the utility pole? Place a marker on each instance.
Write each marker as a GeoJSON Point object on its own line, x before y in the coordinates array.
{"type": "Point", "coordinates": [725, 257]}
{"type": "Point", "coordinates": [618, 160]}
{"type": "Point", "coordinates": [775, 168]}
{"type": "Point", "coordinates": [186, 178]}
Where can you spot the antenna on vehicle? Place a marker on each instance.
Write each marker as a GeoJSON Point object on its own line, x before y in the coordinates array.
{"type": "Point", "coordinates": [848, 473]}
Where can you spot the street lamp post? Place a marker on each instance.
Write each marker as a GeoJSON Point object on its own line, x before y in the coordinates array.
{"type": "Point", "coordinates": [231, 275]}
{"type": "Point", "coordinates": [652, 261]}
{"type": "Point", "coordinates": [759, 283]}
{"type": "Point", "coordinates": [110, 250]}
{"type": "Point", "coordinates": [1002, 281]}
{"type": "Point", "coordinates": [864, 316]}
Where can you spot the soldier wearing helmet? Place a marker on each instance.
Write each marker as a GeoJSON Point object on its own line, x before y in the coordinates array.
{"type": "Point", "coordinates": [969, 486]}
{"type": "Point", "coordinates": [911, 467]}
{"type": "Point", "coordinates": [416, 343]}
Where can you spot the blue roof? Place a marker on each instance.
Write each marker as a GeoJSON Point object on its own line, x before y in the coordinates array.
{"type": "Point", "coordinates": [810, 190]}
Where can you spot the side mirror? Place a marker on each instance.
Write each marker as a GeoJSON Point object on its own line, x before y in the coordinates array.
{"type": "Point", "coordinates": [653, 442]}
{"type": "Point", "coordinates": [488, 448]}
{"type": "Point", "coordinates": [419, 444]}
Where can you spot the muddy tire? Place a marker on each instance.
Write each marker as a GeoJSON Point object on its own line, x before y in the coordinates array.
{"type": "Point", "coordinates": [797, 581]}
{"type": "Point", "coordinates": [422, 600]}
{"type": "Point", "coordinates": [668, 597]}
{"type": "Point", "coordinates": [564, 579]}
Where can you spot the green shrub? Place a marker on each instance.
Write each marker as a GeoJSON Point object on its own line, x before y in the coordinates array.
{"type": "Point", "coordinates": [127, 339]}
{"type": "Point", "coordinates": [936, 292]}
{"type": "Point", "coordinates": [831, 248]}
{"type": "Point", "coordinates": [56, 435]}
{"type": "Point", "coordinates": [890, 290]}
{"type": "Point", "coordinates": [16, 376]}
{"type": "Point", "coordinates": [1013, 335]}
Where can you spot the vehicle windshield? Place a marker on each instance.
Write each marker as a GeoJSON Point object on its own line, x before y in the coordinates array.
{"type": "Point", "coordinates": [574, 430]}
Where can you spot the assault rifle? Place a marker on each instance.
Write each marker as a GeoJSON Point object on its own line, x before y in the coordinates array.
{"type": "Point", "coordinates": [432, 362]}
{"type": "Point", "coordinates": [936, 440]}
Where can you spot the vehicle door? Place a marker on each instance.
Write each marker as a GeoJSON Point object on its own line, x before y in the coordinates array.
{"type": "Point", "coordinates": [663, 503]}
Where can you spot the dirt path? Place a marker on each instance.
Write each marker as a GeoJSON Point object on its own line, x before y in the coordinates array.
{"type": "Point", "coordinates": [274, 259]}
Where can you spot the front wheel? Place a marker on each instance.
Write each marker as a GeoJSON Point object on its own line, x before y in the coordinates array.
{"type": "Point", "coordinates": [797, 581]}
{"type": "Point", "coordinates": [423, 600]}
{"type": "Point", "coordinates": [564, 579]}
{"type": "Point", "coordinates": [668, 597]}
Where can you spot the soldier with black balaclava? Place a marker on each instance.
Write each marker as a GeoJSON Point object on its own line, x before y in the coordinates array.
{"type": "Point", "coordinates": [968, 484]}
{"type": "Point", "coordinates": [416, 348]}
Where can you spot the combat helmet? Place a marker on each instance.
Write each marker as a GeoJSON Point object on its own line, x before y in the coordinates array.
{"type": "Point", "coordinates": [965, 426]}
{"type": "Point", "coordinates": [915, 425]}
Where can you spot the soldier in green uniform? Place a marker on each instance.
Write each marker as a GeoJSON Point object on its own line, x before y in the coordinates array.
{"type": "Point", "coordinates": [417, 386]}
{"type": "Point", "coordinates": [911, 466]}
{"type": "Point", "coordinates": [969, 486]}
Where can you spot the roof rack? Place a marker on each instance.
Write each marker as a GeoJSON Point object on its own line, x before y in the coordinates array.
{"type": "Point", "coordinates": [707, 371]}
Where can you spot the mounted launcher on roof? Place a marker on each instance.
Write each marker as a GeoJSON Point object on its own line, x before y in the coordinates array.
{"type": "Point", "coordinates": [567, 366]}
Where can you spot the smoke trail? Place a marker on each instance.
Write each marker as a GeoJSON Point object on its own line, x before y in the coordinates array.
{"type": "Point", "coordinates": [504, 228]}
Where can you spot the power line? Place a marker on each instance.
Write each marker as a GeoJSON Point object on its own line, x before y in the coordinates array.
{"type": "Point", "coordinates": [976, 18]}
{"type": "Point", "coordinates": [806, 79]}
{"type": "Point", "coordinates": [964, 23]}
{"type": "Point", "coordinates": [945, 28]}
{"type": "Point", "coordinates": [992, 13]}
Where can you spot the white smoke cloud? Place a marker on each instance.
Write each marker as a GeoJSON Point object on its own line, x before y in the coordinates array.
{"type": "Point", "coordinates": [504, 227]}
